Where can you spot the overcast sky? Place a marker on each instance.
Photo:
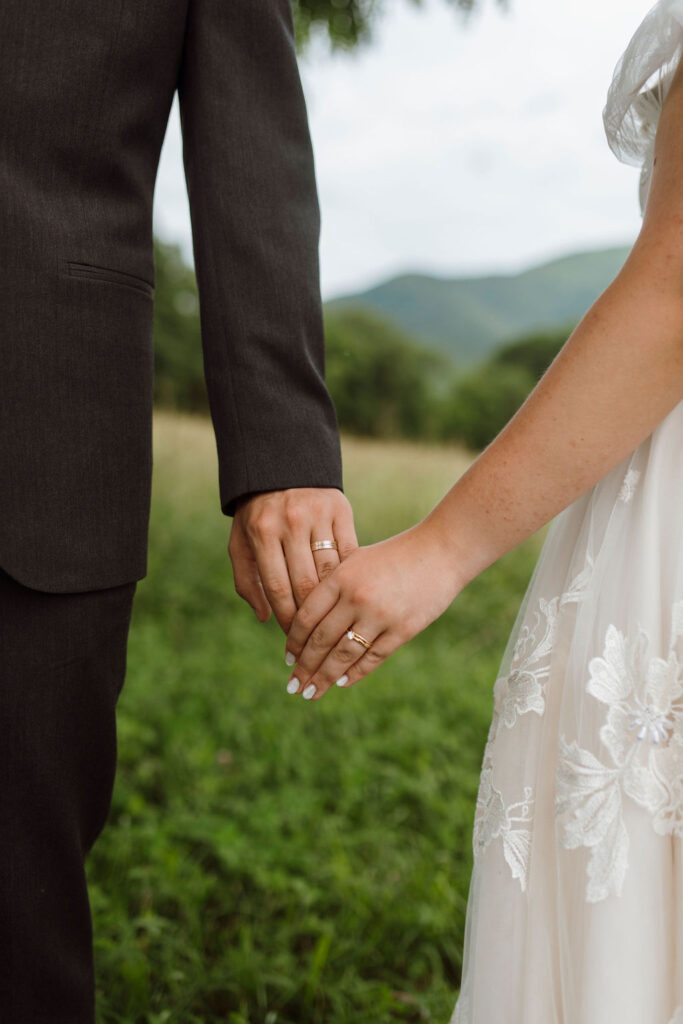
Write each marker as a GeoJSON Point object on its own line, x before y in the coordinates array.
{"type": "Point", "coordinates": [457, 148]}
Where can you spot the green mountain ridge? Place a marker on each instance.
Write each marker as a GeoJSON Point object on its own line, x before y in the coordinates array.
{"type": "Point", "coordinates": [469, 317]}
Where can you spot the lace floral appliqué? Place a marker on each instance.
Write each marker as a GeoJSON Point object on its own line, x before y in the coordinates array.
{"type": "Point", "coordinates": [521, 690]}
{"type": "Point", "coordinates": [643, 735]}
{"type": "Point", "coordinates": [518, 692]}
{"type": "Point", "coordinates": [628, 487]}
{"type": "Point", "coordinates": [492, 819]}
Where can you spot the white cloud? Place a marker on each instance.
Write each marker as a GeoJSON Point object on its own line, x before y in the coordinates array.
{"type": "Point", "coordinates": [449, 147]}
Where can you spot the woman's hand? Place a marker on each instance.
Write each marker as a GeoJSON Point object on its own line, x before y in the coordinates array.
{"type": "Point", "coordinates": [386, 592]}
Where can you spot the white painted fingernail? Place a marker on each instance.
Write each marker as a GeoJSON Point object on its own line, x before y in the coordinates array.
{"type": "Point", "coordinates": [289, 658]}
{"type": "Point", "coordinates": [293, 685]}
{"type": "Point", "coordinates": [342, 681]}
{"type": "Point", "coordinates": [309, 692]}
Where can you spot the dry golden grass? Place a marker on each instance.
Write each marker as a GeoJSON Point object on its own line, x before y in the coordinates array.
{"type": "Point", "coordinates": [391, 484]}
{"type": "Point", "coordinates": [185, 463]}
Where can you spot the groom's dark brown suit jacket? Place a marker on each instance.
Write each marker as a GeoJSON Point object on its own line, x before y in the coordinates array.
{"type": "Point", "coordinates": [86, 88]}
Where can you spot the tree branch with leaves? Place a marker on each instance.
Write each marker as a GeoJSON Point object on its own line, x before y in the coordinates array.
{"type": "Point", "coordinates": [348, 24]}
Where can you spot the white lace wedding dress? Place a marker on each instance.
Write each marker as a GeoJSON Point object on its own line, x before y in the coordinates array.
{"type": "Point", "coordinates": [575, 908]}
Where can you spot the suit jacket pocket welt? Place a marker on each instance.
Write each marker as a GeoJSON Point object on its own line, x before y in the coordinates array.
{"type": "Point", "coordinates": [94, 272]}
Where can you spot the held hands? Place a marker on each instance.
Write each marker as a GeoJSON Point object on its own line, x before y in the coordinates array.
{"type": "Point", "coordinates": [386, 593]}
{"type": "Point", "coordinates": [270, 546]}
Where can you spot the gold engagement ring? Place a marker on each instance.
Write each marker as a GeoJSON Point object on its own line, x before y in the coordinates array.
{"type": "Point", "coordinates": [352, 635]}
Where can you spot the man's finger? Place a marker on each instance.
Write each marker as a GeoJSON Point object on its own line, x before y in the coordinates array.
{"type": "Point", "coordinates": [326, 559]}
{"type": "Point", "coordinates": [345, 534]}
{"type": "Point", "coordinates": [272, 568]}
{"type": "Point", "coordinates": [246, 575]}
{"type": "Point", "coordinates": [301, 566]}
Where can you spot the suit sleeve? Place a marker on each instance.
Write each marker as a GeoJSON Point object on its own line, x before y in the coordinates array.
{"type": "Point", "coordinates": [249, 170]}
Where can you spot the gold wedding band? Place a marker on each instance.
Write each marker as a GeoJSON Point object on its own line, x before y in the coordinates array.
{"type": "Point", "coordinates": [352, 635]}
{"type": "Point", "coordinates": [324, 545]}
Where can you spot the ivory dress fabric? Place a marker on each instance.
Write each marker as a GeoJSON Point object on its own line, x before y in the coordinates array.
{"type": "Point", "coordinates": [575, 907]}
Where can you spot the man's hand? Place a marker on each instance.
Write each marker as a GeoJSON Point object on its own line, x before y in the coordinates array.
{"type": "Point", "coordinates": [270, 546]}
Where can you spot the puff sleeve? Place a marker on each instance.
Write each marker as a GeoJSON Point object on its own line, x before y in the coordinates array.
{"type": "Point", "coordinates": [639, 85]}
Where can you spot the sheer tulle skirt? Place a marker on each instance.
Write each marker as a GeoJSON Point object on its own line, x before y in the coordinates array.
{"type": "Point", "coordinates": [575, 909]}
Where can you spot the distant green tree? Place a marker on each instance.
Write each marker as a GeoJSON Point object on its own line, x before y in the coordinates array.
{"type": "Point", "coordinates": [381, 382]}
{"type": "Point", "coordinates": [383, 385]}
{"type": "Point", "coordinates": [178, 363]}
{"type": "Point", "coordinates": [482, 401]}
{"type": "Point", "coordinates": [533, 352]}
{"type": "Point", "coordinates": [349, 23]}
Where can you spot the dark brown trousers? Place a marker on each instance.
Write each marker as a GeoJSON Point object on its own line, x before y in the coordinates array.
{"type": "Point", "coordinates": [62, 667]}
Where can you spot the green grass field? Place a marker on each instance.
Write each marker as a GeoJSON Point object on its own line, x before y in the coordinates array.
{"type": "Point", "coordinates": [273, 861]}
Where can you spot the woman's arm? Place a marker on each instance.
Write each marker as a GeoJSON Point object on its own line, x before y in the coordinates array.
{"type": "Point", "coordinates": [618, 375]}
{"type": "Point", "coordinates": [615, 379]}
